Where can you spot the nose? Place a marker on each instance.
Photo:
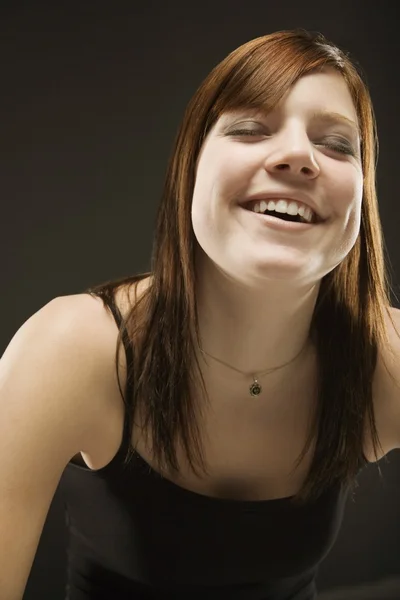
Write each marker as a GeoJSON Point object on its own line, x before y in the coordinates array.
{"type": "Point", "coordinates": [294, 154]}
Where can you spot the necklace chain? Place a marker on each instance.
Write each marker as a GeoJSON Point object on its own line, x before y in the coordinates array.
{"type": "Point", "coordinates": [255, 388]}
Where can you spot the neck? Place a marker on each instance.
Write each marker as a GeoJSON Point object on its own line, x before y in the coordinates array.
{"type": "Point", "coordinates": [253, 327]}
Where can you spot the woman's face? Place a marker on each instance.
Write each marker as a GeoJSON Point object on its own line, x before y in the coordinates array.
{"type": "Point", "coordinates": [308, 149]}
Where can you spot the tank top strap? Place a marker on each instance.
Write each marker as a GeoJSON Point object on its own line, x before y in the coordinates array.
{"type": "Point", "coordinates": [109, 300]}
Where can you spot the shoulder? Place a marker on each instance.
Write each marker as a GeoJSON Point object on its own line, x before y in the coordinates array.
{"type": "Point", "coordinates": [86, 317]}
{"type": "Point", "coordinates": [96, 333]}
{"type": "Point", "coordinates": [386, 384]}
{"type": "Point", "coordinates": [93, 330]}
{"type": "Point", "coordinates": [81, 318]}
{"type": "Point", "coordinates": [90, 333]}
{"type": "Point", "coordinates": [56, 369]}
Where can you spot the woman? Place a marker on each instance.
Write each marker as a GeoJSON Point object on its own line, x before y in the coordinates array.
{"type": "Point", "coordinates": [261, 360]}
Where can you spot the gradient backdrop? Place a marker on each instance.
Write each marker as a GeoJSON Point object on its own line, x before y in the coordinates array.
{"type": "Point", "coordinates": [92, 94]}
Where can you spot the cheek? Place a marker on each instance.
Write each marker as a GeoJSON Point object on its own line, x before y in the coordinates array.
{"type": "Point", "coordinates": [215, 189]}
{"type": "Point", "coordinates": [226, 173]}
{"type": "Point", "coordinates": [202, 200]}
{"type": "Point", "coordinates": [345, 187]}
{"type": "Point", "coordinates": [355, 191]}
{"type": "Point", "coordinates": [350, 197]}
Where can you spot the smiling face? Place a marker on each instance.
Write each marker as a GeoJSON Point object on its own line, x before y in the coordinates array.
{"type": "Point", "coordinates": [308, 148]}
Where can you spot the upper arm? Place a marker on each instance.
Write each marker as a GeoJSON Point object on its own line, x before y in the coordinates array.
{"type": "Point", "coordinates": [47, 375]}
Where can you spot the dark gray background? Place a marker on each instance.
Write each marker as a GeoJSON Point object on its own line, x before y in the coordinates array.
{"type": "Point", "coordinates": [91, 97]}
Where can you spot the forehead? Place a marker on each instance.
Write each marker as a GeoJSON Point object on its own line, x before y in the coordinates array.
{"type": "Point", "coordinates": [321, 97]}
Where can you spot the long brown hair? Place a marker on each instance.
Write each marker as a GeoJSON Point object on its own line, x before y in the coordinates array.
{"type": "Point", "coordinates": [348, 323]}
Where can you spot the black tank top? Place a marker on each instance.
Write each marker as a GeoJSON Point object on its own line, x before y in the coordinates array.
{"type": "Point", "coordinates": [134, 535]}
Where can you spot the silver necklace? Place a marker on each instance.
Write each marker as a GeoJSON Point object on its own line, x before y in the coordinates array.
{"type": "Point", "coordinates": [255, 388]}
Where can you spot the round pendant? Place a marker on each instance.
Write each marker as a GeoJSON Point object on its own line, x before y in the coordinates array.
{"type": "Point", "coordinates": [255, 388]}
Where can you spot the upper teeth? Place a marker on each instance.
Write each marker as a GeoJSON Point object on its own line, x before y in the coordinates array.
{"type": "Point", "coordinates": [283, 206]}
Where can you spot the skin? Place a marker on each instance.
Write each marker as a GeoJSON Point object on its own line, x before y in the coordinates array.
{"type": "Point", "coordinates": [257, 285]}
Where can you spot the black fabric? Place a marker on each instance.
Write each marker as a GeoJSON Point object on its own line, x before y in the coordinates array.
{"type": "Point", "coordinates": [136, 535]}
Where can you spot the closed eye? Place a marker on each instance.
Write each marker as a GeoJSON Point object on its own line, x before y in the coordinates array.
{"type": "Point", "coordinates": [245, 132]}
{"type": "Point", "coordinates": [338, 146]}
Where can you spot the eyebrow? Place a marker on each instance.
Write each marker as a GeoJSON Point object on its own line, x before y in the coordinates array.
{"type": "Point", "coordinates": [334, 118]}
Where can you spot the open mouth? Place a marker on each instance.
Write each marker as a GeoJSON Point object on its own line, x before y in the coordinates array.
{"type": "Point", "coordinates": [279, 215]}
{"type": "Point", "coordinates": [284, 216]}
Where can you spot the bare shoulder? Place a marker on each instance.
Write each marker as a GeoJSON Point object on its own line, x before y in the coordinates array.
{"type": "Point", "coordinates": [83, 320]}
{"type": "Point", "coordinates": [386, 384]}
{"type": "Point", "coordinates": [83, 337]}
{"type": "Point", "coordinates": [97, 335]}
